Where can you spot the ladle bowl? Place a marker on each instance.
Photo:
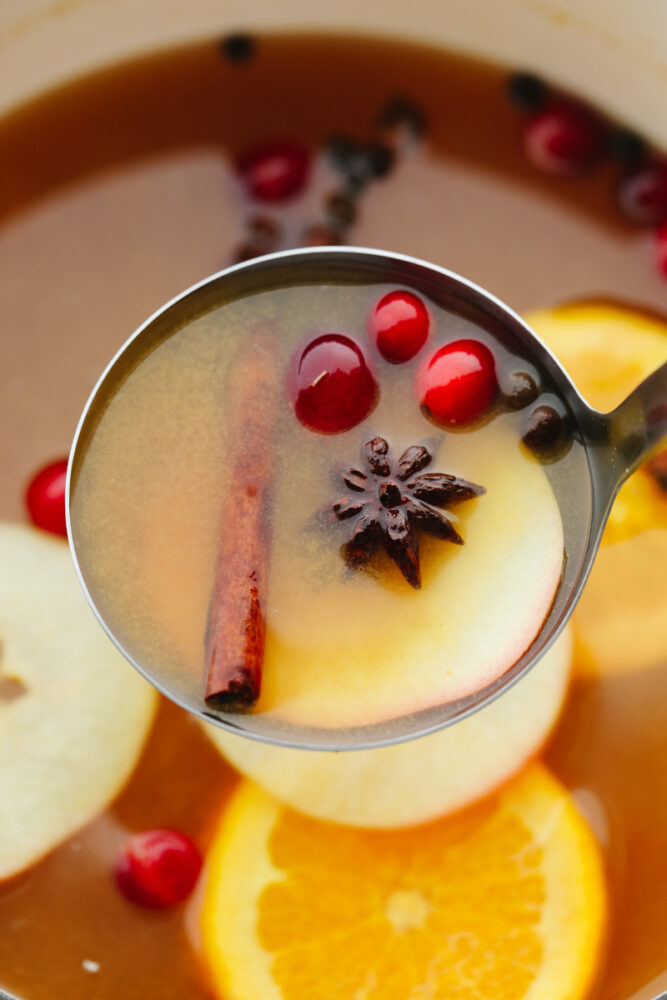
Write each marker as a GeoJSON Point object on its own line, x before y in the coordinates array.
{"type": "Point", "coordinates": [612, 445]}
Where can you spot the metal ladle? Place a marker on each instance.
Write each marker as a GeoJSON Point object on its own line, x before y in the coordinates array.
{"type": "Point", "coordinates": [612, 446]}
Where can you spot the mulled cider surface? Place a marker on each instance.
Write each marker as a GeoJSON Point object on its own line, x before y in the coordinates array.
{"type": "Point", "coordinates": [155, 870]}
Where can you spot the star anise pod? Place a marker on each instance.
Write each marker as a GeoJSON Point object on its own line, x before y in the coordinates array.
{"type": "Point", "coordinates": [388, 507]}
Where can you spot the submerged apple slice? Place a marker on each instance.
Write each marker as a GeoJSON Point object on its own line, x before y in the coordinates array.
{"type": "Point", "coordinates": [359, 647]}
{"type": "Point", "coordinates": [414, 782]}
{"type": "Point", "coordinates": [74, 715]}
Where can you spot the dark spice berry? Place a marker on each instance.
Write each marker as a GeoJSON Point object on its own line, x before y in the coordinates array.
{"type": "Point", "coordinates": [358, 173]}
{"type": "Point", "coordinates": [341, 209]}
{"type": "Point", "coordinates": [661, 249]}
{"type": "Point", "coordinates": [340, 149]}
{"type": "Point", "coordinates": [544, 432]}
{"type": "Point", "coordinates": [353, 162]}
{"type": "Point", "coordinates": [657, 467]}
{"type": "Point", "coordinates": [321, 236]}
{"type": "Point", "coordinates": [402, 112]}
{"type": "Point", "coordinates": [275, 170]}
{"type": "Point", "coordinates": [522, 390]}
{"type": "Point", "coordinates": [264, 237]}
{"type": "Point", "coordinates": [248, 251]}
{"type": "Point", "coordinates": [565, 139]}
{"type": "Point", "coordinates": [526, 92]}
{"type": "Point", "coordinates": [354, 182]}
{"type": "Point", "coordinates": [381, 159]}
{"type": "Point", "coordinates": [265, 231]}
{"type": "Point", "coordinates": [642, 195]}
{"type": "Point", "coordinates": [238, 48]}
{"type": "Point", "coordinates": [388, 506]}
{"type": "Point", "coordinates": [626, 147]}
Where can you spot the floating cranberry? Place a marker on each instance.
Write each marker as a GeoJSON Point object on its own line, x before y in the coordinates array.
{"type": "Point", "coordinates": [158, 868]}
{"type": "Point", "coordinates": [565, 139]}
{"type": "Point", "coordinates": [661, 248]}
{"type": "Point", "coordinates": [457, 384]}
{"type": "Point", "coordinates": [274, 171]}
{"type": "Point", "coordinates": [45, 497]}
{"type": "Point", "coordinates": [400, 324]}
{"type": "Point", "coordinates": [642, 196]}
{"type": "Point", "coordinates": [331, 386]}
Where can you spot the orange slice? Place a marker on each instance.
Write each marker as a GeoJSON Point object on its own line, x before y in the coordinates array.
{"type": "Point", "coordinates": [505, 900]}
{"type": "Point", "coordinates": [607, 349]}
{"type": "Point", "coordinates": [620, 622]}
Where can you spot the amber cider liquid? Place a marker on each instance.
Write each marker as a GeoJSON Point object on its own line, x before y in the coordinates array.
{"type": "Point", "coordinates": [118, 191]}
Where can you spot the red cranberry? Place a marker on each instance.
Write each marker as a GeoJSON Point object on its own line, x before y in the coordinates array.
{"type": "Point", "coordinates": [457, 384]}
{"type": "Point", "coordinates": [330, 384]}
{"type": "Point", "coordinates": [158, 868]}
{"type": "Point", "coordinates": [274, 171]}
{"type": "Point", "coordinates": [642, 195]}
{"type": "Point", "coordinates": [400, 322]}
{"type": "Point", "coordinates": [45, 497]}
{"type": "Point", "coordinates": [564, 139]}
{"type": "Point", "coordinates": [661, 248]}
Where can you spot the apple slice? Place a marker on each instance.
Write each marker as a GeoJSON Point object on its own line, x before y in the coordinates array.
{"type": "Point", "coordinates": [413, 782]}
{"type": "Point", "coordinates": [74, 714]}
{"type": "Point", "coordinates": [354, 649]}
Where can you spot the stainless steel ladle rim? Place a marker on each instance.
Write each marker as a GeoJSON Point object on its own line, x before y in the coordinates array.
{"type": "Point", "coordinates": [468, 705]}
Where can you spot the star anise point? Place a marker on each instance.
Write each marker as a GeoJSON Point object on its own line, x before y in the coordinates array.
{"type": "Point", "coordinates": [389, 509]}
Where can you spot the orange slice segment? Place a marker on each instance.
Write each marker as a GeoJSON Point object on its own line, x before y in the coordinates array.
{"type": "Point", "coordinates": [620, 622]}
{"type": "Point", "coordinates": [505, 900]}
{"type": "Point", "coordinates": [607, 349]}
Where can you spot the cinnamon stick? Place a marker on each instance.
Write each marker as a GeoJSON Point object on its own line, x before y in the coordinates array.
{"type": "Point", "coordinates": [237, 613]}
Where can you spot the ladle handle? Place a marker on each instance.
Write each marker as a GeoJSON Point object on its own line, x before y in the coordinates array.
{"type": "Point", "coordinates": [639, 424]}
